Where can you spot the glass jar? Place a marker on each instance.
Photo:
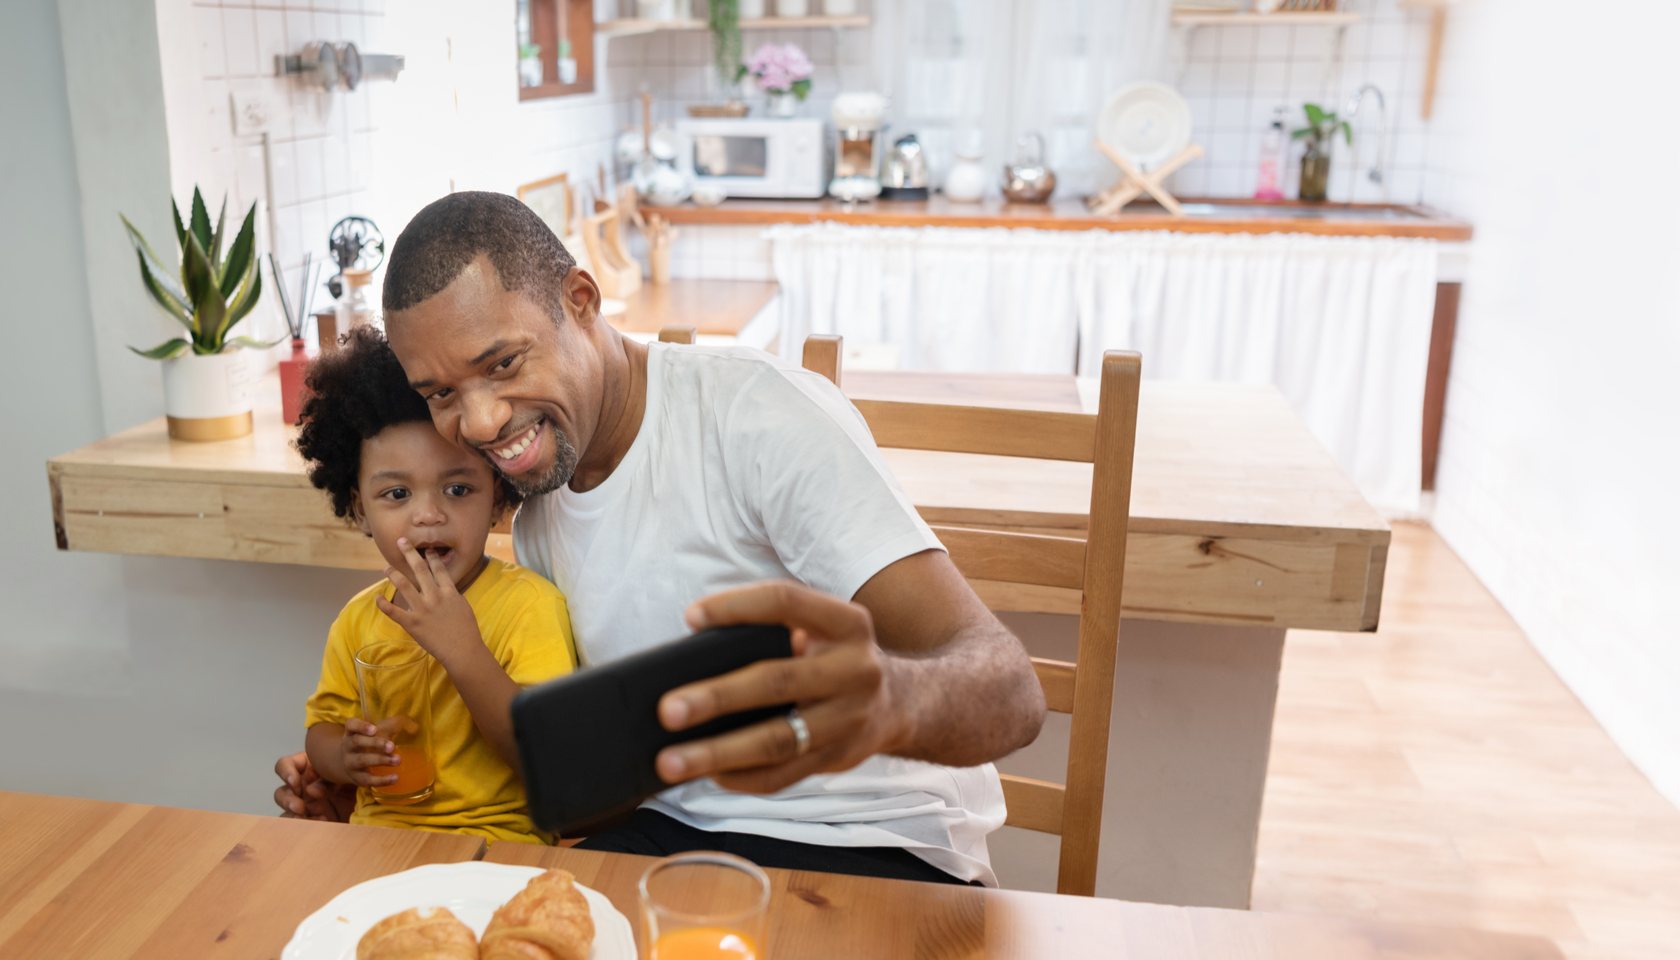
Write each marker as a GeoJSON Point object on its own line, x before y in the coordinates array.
{"type": "Point", "coordinates": [1315, 173]}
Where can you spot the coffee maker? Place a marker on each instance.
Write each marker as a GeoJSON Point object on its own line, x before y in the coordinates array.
{"type": "Point", "coordinates": [858, 129]}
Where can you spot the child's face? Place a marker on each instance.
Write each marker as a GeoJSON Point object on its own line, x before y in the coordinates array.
{"type": "Point", "coordinates": [414, 484]}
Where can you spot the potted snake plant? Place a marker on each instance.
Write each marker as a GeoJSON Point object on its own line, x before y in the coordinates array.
{"type": "Point", "coordinates": [205, 379]}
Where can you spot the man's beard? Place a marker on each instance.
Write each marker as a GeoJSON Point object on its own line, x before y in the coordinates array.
{"type": "Point", "coordinates": [556, 476]}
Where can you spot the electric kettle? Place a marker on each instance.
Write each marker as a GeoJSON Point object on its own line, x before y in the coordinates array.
{"type": "Point", "coordinates": [905, 174]}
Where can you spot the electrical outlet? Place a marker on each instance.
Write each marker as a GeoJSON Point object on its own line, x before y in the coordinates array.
{"type": "Point", "coordinates": [251, 112]}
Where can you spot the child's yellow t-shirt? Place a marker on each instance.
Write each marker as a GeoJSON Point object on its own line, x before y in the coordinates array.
{"type": "Point", "coordinates": [523, 620]}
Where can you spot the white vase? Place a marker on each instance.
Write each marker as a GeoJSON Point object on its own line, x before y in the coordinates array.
{"type": "Point", "coordinates": [840, 8]}
{"type": "Point", "coordinates": [207, 397]}
{"type": "Point", "coordinates": [783, 106]}
{"type": "Point", "coordinates": [966, 183]}
{"type": "Point", "coordinates": [793, 8]}
{"type": "Point", "coordinates": [750, 9]}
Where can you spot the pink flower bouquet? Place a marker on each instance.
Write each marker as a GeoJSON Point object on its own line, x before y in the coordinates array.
{"type": "Point", "coordinates": [781, 68]}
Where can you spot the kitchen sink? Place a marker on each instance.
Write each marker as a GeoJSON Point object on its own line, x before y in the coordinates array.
{"type": "Point", "coordinates": [1283, 211]}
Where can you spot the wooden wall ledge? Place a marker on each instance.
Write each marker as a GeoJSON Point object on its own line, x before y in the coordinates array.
{"type": "Point", "coordinates": [1238, 515]}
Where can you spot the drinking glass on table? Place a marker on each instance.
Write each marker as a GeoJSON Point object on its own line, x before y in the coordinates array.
{"type": "Point", "coordinates": [704, 906]}
{"type": "Point", "coordinates": [395, 680]}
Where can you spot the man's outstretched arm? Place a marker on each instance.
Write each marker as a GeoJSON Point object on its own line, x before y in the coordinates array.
{"type": "Point", "coordinates": [915, 666]}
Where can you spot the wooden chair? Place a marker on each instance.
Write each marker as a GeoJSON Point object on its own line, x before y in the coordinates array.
{"type": "Point", "coordinates": [1094, 566]}
{"type": "Point", "coordinates": [675, 334]}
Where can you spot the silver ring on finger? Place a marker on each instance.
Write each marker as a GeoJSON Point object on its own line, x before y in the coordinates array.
{"type": "Point", "coordinates": [801, 733]}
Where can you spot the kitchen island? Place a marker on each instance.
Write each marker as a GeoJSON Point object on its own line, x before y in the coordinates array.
{"type": "Point", "coordinates": [1241, 528]}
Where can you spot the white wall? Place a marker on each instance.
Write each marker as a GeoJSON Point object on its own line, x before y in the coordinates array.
{"type": "Point", "coordinates": [65, 619]}
{"type": "Point", "coordinates": [1561, 449]}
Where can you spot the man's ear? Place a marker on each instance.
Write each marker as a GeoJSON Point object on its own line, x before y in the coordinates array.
{"type": "Point", "coordinates": [581, 297]}
{"type": "Point", "coordinates": [357, 514]}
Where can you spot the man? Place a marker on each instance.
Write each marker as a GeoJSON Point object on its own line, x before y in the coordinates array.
{"type": "Point", "coordinates": [674, 489]}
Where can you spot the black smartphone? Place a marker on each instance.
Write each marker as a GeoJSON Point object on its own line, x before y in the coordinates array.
{"type": "Point", "coordinates": [587, 741]}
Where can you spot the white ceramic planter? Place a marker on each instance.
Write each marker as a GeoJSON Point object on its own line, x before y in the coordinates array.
{"type": "Point", "coordinates": [840, 8]}
{"type": "Point", "coordinates": [793, 8]}
{"type": "Point", "coordinates": [207, 397]}
{"type": "Point", "coordinates": [750, 9]}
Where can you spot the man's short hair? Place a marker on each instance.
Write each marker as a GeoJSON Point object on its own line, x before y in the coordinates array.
{"type": "Point", "coordinates": [450, 233]}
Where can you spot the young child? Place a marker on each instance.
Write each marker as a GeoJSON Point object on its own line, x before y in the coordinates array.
{"type": "Point", "coordinates": [493, 627]}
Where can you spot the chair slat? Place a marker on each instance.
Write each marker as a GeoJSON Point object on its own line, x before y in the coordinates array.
{"type": "Point", "coordinates": [1042, 434]}
{"type": "Point", "coordinates": [822, 355]}
{"type": "Point", "coordinates": [1025, 597]}
{"type": "Point", "coordinates": [1056, 677]}
{"type": "Point", "coordinates": [1033, 804]}
{"type": "Point", "coordinates": [1016, 557]}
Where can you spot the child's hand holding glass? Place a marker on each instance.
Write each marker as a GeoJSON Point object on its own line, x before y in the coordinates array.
{"type": "Point", "coordinates": [361, 749]}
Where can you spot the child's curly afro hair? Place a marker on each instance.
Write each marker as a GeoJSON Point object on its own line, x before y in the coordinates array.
{"type": "Point", "coordinates": [359, 390]}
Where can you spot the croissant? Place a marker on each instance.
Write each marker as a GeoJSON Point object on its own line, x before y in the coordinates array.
{"type": "Point", "coordinates": [422, 933]}
{"type": "Point", "coordinates": [548, 920]}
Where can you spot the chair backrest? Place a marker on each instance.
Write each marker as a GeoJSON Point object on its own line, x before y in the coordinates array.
{"type": "Point", "coordinates": [676, 334]}
{"type": "Point", "coordinates": [1095, 566]}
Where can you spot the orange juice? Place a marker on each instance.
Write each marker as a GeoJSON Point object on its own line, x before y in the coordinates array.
{"type": "Point", "coordinates": [704, 943]}
{"type": "Point", "coordinates": [414, 779]}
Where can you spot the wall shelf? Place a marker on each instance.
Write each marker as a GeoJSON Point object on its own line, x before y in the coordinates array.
{"type": "Point", "coordinates": [1311, 19]}
{"type": "Point", "coordinates": [1185, 25]}
{"type": "Point", "coordinates": [633, 27]}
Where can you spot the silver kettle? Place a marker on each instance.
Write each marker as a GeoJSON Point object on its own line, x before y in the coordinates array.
{"type": "Point", "coordinates": [904, 175]}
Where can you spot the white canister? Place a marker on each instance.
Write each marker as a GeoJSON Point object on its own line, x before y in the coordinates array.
{"type": "Point", "coordinates": [207, 397]}
{"type": "Point", "coordinates": [840, 8]}
{"type": "Point", "coordinates": [966, 182]}
{"type": "Point", "coordinates": [750, 9]}
{"type": "Point", "coordinates": [793, 8]}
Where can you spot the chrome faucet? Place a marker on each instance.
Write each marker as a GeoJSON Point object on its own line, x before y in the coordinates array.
{"type": "Point", "coordinates": [1376, 173]}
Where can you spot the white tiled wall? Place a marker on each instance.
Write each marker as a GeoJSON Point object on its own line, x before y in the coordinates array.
{"type": "Point", "coordinates": [451, 121]}
{"type": "Point", "coordinates": [1235, 76]}
{"type": "Point", "coordinates": [320, 145]}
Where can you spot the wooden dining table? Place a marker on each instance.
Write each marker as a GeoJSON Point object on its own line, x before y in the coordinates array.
{"type": "Point", "coordinates": [96, 880]}
{"type": "Point", "coordinates": [1242, 528]}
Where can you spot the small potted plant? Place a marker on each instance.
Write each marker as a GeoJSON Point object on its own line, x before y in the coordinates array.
{"type": "Point", "coordinates": [784, 72]}
{"type": "Point", "coordinates": [205, 388]}
{"type": "Point", "coordinates": [530, 65]}
{"type": "Point", "coordinates": [1322, 127]}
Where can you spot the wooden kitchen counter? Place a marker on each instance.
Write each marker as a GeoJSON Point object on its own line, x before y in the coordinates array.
{"type": "Point", "coordinates": [1239, 516]}
{"type": "Point", "coordinates": [1226, 216]}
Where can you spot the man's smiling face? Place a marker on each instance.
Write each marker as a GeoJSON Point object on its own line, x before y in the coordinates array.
{"type": "Point", "coordinates": [503, 376]}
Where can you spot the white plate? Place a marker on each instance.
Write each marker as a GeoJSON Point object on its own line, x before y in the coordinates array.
{"type": "Point", "coordinates": [472, 891]}
{"type": "Point", "coordinates": [1147, 123]}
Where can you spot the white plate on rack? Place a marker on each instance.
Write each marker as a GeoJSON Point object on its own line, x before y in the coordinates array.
{"type": "Point", "coordinates": [1148, 123]}
{"type": "Point", "coordinates": [472, 891]}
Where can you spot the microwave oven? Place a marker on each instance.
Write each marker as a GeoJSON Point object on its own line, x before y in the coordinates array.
{"type": "Point", "coordinates": [755, 157]}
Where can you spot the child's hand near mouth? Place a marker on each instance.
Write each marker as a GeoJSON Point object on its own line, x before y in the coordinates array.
{"type": "Point", "coordinates": [438, 617]}
{"type": "Point", "coordinates": [443, 623]}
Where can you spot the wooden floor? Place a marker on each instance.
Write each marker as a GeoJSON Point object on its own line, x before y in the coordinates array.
{"type": "Point", "coordinates": [1438, 772]}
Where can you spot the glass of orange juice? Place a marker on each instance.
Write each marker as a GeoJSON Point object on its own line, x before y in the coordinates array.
{"type": "Point", "coordinates": [395, 680]}
{"type": "Point", "coordinates": [704, 906]}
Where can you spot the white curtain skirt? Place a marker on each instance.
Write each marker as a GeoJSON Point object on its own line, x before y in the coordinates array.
{"type": "Point", "coordinates": [1340, 325]}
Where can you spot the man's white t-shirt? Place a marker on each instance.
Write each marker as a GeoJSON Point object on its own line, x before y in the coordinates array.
{"type": "Point", "coordinates": [748, 468]}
